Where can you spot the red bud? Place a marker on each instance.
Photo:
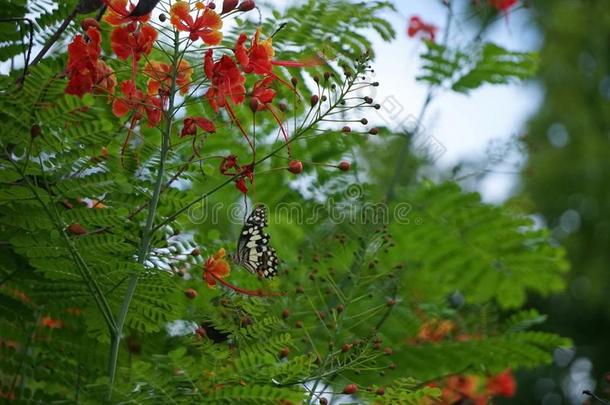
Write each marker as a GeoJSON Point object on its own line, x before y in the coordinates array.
{"type": "Point", "coordinates": [350, 389]}
{"type": "Point", "coordinates": [247, 5]}
{"type": "Point", "coordinates": [228, 5]}
{"type": "Point", "coordinates": [295, 166]}
{"type": "Point", "coordinates": [314, 100]}
{"type": "Point", "coordinates": [77, 229]}
{"type": "Point", "coordinates": [190, 293]}
{"type": "Point", "coordinates": [284, 352]}
{"type": "Point", "coordinates": [35, 130]}
{"type": "Point", "coordinates": [344, 166]}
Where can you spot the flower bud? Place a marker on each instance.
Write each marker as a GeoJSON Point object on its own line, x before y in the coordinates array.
{"type": "Point", "coordinates": [314, 100]}
{"type": "Point", "coordinates": [346, 129]}
{"type": "Point", "coordinates": [284, 352]}
{"type": "Point", "coordinates": [285, 313]}
{"type": "Point", "coordinates": [228, 5]}
{"type": "Point", "coordinates": [364, 121]}
{"type": "Point", "coordinates": [35, 130]}
{"type": "Point", "coordinates": [344, 166]}
{"type": "Point", "coordinates": [162, 17]}
{"type": "Point", "coordinates": [326, 76]}
{"type": "Point", "coordinates": [294, 81]}
{"type": "Point", "coordinates": [346, 347]}
{"type": "Point", "coordinates": [246, 5]}
{"type": "Point", "coordinates": [190, 293]}
{"type": "Point", "coordinates": [77, 229]}
{"type": "Point", "coordinates": [350, 389]}
{"type": "Point", "coordinates": [195, 252]}
{"type": "Point", "coordinates": [295, 166]}
{"type": "Point", "coordinates": [368, 100]}
{"type": "Point", "coordinates": [254, 104]}
{"type": "Point", "coordinates": [380, 391]}
{"type": "Point", "coordinates": [374, 131]}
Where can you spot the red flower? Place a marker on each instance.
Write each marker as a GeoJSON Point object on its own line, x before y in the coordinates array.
{"type": "Point", "coordinates": [85, 70]}
{"type": "Point", "coordinates": [134, 100]}
{"type": "Point", "coordinates": [216, 267]}
{"type": "Point", "coordinates": [119, 10]}
{"type": "Point", "coordinates": [227, 81]}
{"type": "Point", "coordinates": [502, 384]}
{"type": "Point", "coordinates": [129, 40]}
{"type": "Point", "coordinates": [191, 124]}
{"type": "Point", "coordinates": [259, 58]}
{"type": "Point", "coordinates": [503, 5]}
{"type": "Point", "coordinates": [161, 77]}
{"type": "Point", "coordinates": [417, 26]}
{"type": "Point", "coordinates": [262, 94]}
{"type": "Point", "coordinates": [204, 26]}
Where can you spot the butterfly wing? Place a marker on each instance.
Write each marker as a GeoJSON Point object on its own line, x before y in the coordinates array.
{"type": "Point", "coordinates": [253, 250]}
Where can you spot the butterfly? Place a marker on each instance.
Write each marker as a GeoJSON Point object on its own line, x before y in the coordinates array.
{"type": "Point", "coordinates": [253, 250]}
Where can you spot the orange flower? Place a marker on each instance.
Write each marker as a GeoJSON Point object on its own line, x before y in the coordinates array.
{"type": "Point", "coordinates": [134, 100]}
{"type": "Point", "coordinates": [227, 81]}
{"type": "Point", "coordinates": [434, 330]}
{"type": "Point", "coordinates": [204, 26]}
{"type": "Point", "coordinates": [51, 323]}
{"type": "Point", "coordinates": [161, 77]}
{"type": "Point", "coordinates": [216, 267]}
{"type": "Point", "coordinates": [119, 10]}
{"type": "Point", "coordinates": [128, 40]}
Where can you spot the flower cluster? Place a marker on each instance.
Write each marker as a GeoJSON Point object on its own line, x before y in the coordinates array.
{"type": "Point", "coordinates": [474, 389]}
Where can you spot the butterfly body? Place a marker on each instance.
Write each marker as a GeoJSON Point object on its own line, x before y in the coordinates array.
{"type": "Point", "coordinates": [253, 250]}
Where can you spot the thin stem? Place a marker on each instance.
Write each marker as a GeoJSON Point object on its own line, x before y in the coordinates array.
{"type": "Point", "coordinates": [148, 231]}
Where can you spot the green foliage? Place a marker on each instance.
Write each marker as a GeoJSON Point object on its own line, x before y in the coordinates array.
{"type": "Point", "coordinates": [465, 70]}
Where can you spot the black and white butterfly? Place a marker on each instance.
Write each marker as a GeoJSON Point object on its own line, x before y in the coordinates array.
{"type": "Point", "coordinates": [253, 250]}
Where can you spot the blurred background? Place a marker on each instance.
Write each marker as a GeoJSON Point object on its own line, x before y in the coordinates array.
{"type": "Point", "coordinates": [541, 145]}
